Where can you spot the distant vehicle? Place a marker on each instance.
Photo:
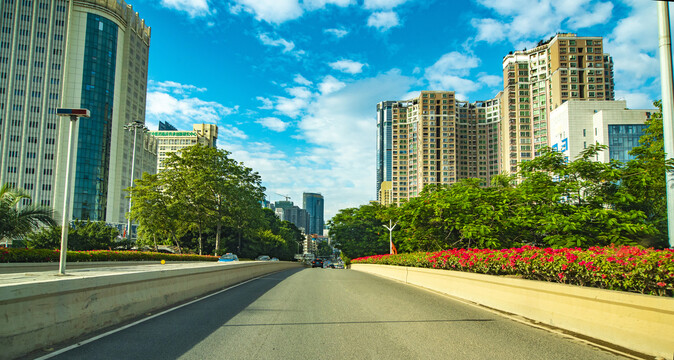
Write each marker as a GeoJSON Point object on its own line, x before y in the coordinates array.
{"type": "Point", "coordinates": [317, 263]}
{"type": "Point", "coordinates": [228, 257]}
{"type": "Point", "coordinates": [274, 259]}
{"type": "Point", "coordinates": [263, 258]}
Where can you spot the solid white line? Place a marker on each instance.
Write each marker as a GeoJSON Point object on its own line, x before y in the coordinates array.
{"type": "Point", "coordinates": [66, 349]}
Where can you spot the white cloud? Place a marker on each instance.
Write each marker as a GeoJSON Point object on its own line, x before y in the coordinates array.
{"type": "Point", "coordinates": [382, 4]}
{"type": "Point", "coordinates": [279, 11]}
{"type": "Point", "coordinates": [348, 66]}
{"type": "Point", "coordinates": [532, 19]}
{"type": "Point", "coordinates": [320, 4]}
{"type": "Point", "coordinates": [633, 44]}
{"type": "Point", "coordinates": [489, 30]}
{"type": "Point", "coordinates": [636, 100]}
{"type": "Point", "coordinates": [173, 102]}
{"type": "Point", "coordinates": [273, 123]}
{"type": "Point", "coordinates": [490, 80]}
{"type": "Point", "coordinates": [330, 84]}
{"type": "Point", "coordinates": [285, 44]}
{"type": "Point", "coordinates": [195, 8]}
{"type": "Point", "coordinates": [172, 87]}
{"type": "Point", "coordinates": [341, 128]}
{"type": "Point", "coordinates": [266, 103]}
{"type": "Point", "coordinates": [383, 21]}
{"type": "Point", "coordinates": [338, 33]}
{"type": "Point", "coordinates": [271, 11]}
{"type": "Point", "coordinates": [301, 80]}
{"type": "Point", "coordinates": [295, 105]}
{"type": "Point", "coordinates": [449, 71]}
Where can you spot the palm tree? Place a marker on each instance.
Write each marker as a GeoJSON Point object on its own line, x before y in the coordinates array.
{"type": "Point", "coordinates": [17, 221]}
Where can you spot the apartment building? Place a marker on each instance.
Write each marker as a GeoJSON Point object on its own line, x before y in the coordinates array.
{"type": "Point", "coordinates": [537, 81]}
{"type": "Point", "coordinates": [89, 54]}
{"type": "Point", "coordinates": [437, 139]}
{"type": "Point", "coordinates": [173, 141]}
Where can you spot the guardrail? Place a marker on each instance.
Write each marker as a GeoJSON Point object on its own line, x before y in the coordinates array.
{"type": "Point", "coordinates": [641, 323]}
{"type": "Point", "coordinates": [42, 313]}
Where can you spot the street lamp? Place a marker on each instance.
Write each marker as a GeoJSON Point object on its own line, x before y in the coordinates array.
{"type": "Point", "coordinates": [73, 114]}
{"type": "Point", "coordinates": [390, 235]}
{"type": "Point", "coordinates": [134, 125]}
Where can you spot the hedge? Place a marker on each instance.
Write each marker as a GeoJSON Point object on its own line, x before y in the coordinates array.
{"type": "Point", "coordinates": [625, 268]}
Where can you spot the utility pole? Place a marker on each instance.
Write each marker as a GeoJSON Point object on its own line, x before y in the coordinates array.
{"type": "Point", "coordinates": [135, 125]}
{"type": "Point", "coordinates": [665, 46]}
{"type": "Point", "coordinates": [390, 235]}
{"type": "Point", "coordinates": [73, 115]}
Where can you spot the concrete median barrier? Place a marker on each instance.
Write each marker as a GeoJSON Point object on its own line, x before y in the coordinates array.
{"type": "Point", "coordinates": [54, 309]}
{"type": "Point", "coordinates": [641, 323]}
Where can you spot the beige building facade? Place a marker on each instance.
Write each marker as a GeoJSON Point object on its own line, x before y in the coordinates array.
{"type": "Point", "coordinates": [576, 124]}
{"type": "Point", "coordinates": [173, 141]}
{"type": "Point", "coordinates": [438, 140]}
{"type": "Point", "coordinates": [537, 81]}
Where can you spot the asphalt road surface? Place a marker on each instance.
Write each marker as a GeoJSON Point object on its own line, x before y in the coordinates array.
{"type": "Point", "coordinates": [332, 314]}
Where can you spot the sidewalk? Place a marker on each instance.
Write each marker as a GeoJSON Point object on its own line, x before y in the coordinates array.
{"type": "Point", "coordinates": [19, 273]}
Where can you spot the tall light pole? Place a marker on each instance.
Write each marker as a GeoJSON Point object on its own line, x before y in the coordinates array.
{"type": "Point", "coordinates": [73, 114]}
{"type": "Point", "coordinates": [390, 235]}
{"type": "Point", "coordinates": [135, 125]}
{"type": "Point", "coordinates": [665, 46]}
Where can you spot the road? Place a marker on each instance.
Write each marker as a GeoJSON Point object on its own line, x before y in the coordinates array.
{"type": "Point", "coordinates": [331, 314]}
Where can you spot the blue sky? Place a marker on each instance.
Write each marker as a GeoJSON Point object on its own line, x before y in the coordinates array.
{"type": "Point", "coordinates": [293, 84]}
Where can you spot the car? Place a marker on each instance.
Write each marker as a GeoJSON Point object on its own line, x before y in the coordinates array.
{"type": "Point", "coordinates": [263, 258]}
{"type": "Point", "coordinates": [274, 259]}
{"type": "Point", "coordinates": [228, 257]}
{"type": "Point", "coordinates": [317, 263]}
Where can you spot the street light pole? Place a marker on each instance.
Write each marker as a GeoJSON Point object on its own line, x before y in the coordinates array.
{"type": "Point", "coordinates": [665, 46]}
{"type": "Point", "coordinates": [390, 235]}
{"type": "Point", "coordinates": [73, 114]}
{"type": "Point", "coordinates": [135, 126]}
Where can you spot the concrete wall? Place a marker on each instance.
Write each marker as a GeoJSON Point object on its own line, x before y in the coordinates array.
{"type": "Point", "coordinates": [36, 315]}
{"type": "Point", "coordinates": [642, 323]}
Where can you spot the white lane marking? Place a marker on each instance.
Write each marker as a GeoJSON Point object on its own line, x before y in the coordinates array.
{"type": "Point", "coordinates": [66, 349]}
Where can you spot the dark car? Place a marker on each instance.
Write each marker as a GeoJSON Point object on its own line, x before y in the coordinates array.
{"type": "Point", "coordinates": [317, 263]}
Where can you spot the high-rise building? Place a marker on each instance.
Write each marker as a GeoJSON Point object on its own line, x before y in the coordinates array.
{"type": "Point", "coordinates": [89, 54]}
{"type": "Point", "coordinates": [384, 142]}
{"type": "Point", "coordinates": [313, 203]}
{"type": "Point", "coordinates": [537, 81]}
{"type": "Point", "coordinates": [575, 125]}
{"type": "Point", "coordinates": [165, 125]}
{"type": "Point", "coordinates": [173, 141]}
{"type": "Point", "coordinates": [436, 139]}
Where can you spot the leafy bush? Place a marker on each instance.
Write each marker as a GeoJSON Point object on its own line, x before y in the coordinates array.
{"type": "Point", "coordinates": [624, 268]}
{"type": "Point", "coordinates": [43, 255]}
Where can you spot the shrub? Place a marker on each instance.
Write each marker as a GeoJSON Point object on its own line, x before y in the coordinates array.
{"type": "Point", "coordinates": [624, 268]}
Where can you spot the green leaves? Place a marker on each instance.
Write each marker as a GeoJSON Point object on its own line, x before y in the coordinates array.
{"type": "Point", "coordinates": [16, 220]}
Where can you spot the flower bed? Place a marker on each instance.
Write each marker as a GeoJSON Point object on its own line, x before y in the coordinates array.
{"type": "Point", "coordinates": [41, 255]}
{"type": "Point", "coordinates": [626, 268]}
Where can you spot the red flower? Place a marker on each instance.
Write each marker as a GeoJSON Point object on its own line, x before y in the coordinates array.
{"type": "Point", "coordinates": [661, 284]}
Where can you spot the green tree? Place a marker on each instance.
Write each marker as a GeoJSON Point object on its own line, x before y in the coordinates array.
{"type": "Point", "coordinates": [16, 220]}
{"type": "Point", "coordinates": [82, 236]}
{"type": "Point", "coordinates": [643, 181]}
{"type": "Point", "coordinates": [358, 231]}
{"type": "Point", "coordinates": [324, 249]}
{"type": "Point", "coordinates": [157, 212]}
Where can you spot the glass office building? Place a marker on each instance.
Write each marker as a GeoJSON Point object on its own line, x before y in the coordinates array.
{"type": "Point", "coordinates": [313, 203]}
{"type": "Point", "coordinates": [89, 54]}
{"type": "Point", "coordinates": [622, 138]}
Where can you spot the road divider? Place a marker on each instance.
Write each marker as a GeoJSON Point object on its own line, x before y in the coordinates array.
{"type": "Point", "coordinates": [54, 309]}
{"type": "Point", "coordinates": [641, 323]}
